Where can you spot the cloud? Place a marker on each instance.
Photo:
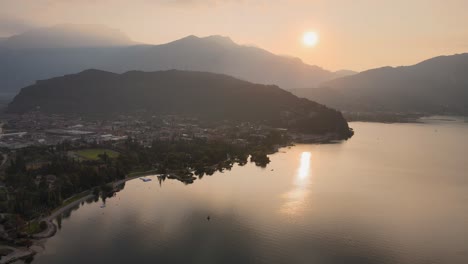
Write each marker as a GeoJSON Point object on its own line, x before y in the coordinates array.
{"type": "Point", "coordinates": [207, 3]}
{"type": "Point", "coordinates": [168, 2]}
{"type": "Point", "coordinates": [174, 3]}
{"type": "Point", "coordinates": [11, 25]}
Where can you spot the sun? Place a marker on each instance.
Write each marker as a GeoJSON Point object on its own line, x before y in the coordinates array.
{"type": "Point", "coordinates": [310, 39]}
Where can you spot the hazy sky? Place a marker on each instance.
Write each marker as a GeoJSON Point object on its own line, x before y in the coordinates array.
{"type": "Point", "coordinates": [354, 34]}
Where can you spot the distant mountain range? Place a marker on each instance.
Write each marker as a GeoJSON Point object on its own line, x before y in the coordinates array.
{"type": "Point", "coordinates": [343, 73]}
{"type": "Point", "coordinates": [67, 36]}
{"type": "Point", "coordinates": [435, 86]}
{"type": "Point", "coordinates": [205, 95]}
{"type": "Point", "coordinates": [49, 52]}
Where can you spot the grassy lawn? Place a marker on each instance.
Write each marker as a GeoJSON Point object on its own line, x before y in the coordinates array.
{"type": "Point", "coordinates": [75, 198]}
{"type": "Point", "coordinates": [141, 173]}
{"type": "Point", "coordinates": [93, 154]}
{"type": "Point", "coordinates": [72, 199]}
{"type": "Point", "coordinates": [33, 228]}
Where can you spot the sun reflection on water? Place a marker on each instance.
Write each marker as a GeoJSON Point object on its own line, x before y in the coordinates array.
{"type": "Point", "coordinates": [295, 198]}
{"type": "Point", "coordinates": [304, 167]}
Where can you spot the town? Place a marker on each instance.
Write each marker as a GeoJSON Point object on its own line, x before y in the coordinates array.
{"type": "Point", "coordinates": [50, 161]}
{"type": "Point", "coordinates": [39, 129]}
{"type": "Point", "coordinates": [36, 128]}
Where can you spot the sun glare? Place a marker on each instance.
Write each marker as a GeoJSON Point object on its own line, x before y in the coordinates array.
{"type": "Point", "coordinates": [296, 197]}
{"type": "Point", "coordinates": [310, 39]}
{"type": "Point", "coordinates": [304, 168]}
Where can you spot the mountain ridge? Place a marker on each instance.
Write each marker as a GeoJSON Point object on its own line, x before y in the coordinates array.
{"type": "Point", "coordinates": [201, 94]}
{"type": "Point", "coordinates": [218, 54]}
{"type": "Point", "coordinates": [67, 36]}
{"type": "Point", "coordinates": [437, 85]}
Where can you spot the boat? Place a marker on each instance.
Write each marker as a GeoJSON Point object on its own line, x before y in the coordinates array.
{"type": "Point", "coordinates": [145, 179]}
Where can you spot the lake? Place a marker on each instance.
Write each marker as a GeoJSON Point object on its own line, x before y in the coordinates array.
{"type": "Point", "coordinates": [394, 193]}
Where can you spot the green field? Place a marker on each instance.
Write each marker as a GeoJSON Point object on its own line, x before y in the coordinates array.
{"type": "Point", "coordinates": [93, 154]}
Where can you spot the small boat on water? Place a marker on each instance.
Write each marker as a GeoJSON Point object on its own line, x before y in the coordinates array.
{"type": "Point", "coordinates": [145, 179]}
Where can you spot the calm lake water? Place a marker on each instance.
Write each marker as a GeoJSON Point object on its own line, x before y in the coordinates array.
{"type": "Point", "coordinates": [394, 193]}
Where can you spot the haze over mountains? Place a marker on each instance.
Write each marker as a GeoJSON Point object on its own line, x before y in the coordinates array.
{"type": "Point", "coordinates": [67, 36]}
{"type": "Point", "coordinates": [50, 52]}
{"type": "Point", "coordinates": [435, 86]}
{"type": "Point", "coordinates": [205, 95]}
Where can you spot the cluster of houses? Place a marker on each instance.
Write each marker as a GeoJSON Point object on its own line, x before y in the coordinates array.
{"type": "Point", "coordinates": [39, 129]}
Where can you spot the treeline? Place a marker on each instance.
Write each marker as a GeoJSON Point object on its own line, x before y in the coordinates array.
{"type": "Point", "coordinates": [35, 191]}
{"type": "Point", "coordinates": [199, 155]}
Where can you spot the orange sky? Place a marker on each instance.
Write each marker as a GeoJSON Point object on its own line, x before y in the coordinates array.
{"type": "Point", "coordinates": [357, 34]}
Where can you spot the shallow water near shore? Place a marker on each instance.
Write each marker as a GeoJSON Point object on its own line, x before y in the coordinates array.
{"type": "Point", "coordinates": [394, 193]}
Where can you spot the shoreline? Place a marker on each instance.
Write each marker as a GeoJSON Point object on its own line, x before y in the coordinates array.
{"type": "Point", "coordinates": [38, 239]}
{"type": "Point", "coordinates": [395, 118]}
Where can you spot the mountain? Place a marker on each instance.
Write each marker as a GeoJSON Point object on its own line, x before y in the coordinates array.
{"type": "Point", "coordinates": [20, 67]}
{"type": "Point", "coordinates": [220, 54]}
{"type": "Point", "coordinates": [435, 86]}
{"type": "Point", "coordinates": [201, 94]}
{"type": "Point", "coordinates": [67, 36]}
{"type": "Point", "coordinates": [343, 73]}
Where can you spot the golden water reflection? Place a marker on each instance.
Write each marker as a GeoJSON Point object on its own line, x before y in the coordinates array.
{"type": "Point", "coordinates": [295, 199]}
